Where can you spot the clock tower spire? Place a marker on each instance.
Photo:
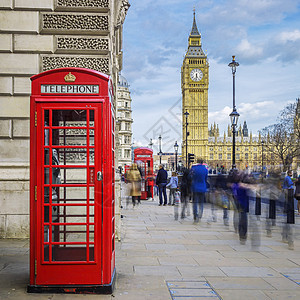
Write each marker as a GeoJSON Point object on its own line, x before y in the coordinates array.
{"type": "Point", "coordinates": [194, 86]}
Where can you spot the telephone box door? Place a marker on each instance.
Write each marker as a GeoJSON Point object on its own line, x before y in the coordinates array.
{"type": "Point", "coordinates": [69, 193]}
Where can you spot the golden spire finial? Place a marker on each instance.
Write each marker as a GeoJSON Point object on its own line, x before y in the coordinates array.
{"type": "Point", "coordinates": [233, 57]}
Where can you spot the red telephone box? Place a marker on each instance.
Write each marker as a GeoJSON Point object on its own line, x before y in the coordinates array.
{"type": "Point", "coordinates": [144, 158]}
{"type": "Point", "coordinates": [72, 220]}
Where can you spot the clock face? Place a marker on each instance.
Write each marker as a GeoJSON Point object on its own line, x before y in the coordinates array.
{"type": "Point", "coordinates": [196, 75]}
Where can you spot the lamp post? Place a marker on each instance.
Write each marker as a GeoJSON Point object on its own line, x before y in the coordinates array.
{"type": "Point", "coordinates": [262, 156]}
{"type": "Point", "coordinates": [160, 152]}
{"type": "Point", "coordinates": [234, 116]}
{"type": "Point", "coordinates": [186, 138]}
{"type": "Point", "coordinates": [176, 151]}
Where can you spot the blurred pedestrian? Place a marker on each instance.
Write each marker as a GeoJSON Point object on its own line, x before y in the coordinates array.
{"type": "Point", "coordinates": [172, 185]}
{"type": "Point", "coordinates": [297, 193]}
{"type": "Point", "coordinates": [287, 230]}
{"type": "Point", "coordinates": [199, 174]}
{"type": "Point", "coordinates": [161, 181]}
{"type": "Point", "coordinates": [185, 188]}
{"type": "Point", "coordinates": [134, 178]}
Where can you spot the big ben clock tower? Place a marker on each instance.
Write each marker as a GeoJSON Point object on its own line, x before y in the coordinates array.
{"type": "Point", "coordinates": [194, 86]}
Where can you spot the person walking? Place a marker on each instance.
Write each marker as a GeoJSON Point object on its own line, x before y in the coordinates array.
{"type": "Point", "coordinates": [134, 178]}
{"type": "Point", "coordinates": [297, 193]}
{"type": "Point", "coordinates": [287, 230]}
{"type": "Point", "coordinates": [161, 181]}
{"type": "Point", "coordinates": [199, 186]}
{"type": "Point", "coordinates": [172, 185]}
{"type": "Point", "coordinates": [185, 188]}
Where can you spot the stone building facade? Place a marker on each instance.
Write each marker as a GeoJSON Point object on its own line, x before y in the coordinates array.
{"type": "Point", "coordinates": [35, 36]}
{"type": "Point", "coordinates": [124, 121]}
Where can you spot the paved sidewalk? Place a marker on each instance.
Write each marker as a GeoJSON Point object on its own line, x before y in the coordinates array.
{"type": "Point", "coordinates": [160, 258]}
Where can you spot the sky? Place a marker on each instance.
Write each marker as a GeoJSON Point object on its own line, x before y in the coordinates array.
{"type": "Point", "coordinates": [264, 36]}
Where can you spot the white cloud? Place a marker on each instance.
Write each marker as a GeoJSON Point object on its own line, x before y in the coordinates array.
{"type": "Point", "coordinates": [289, 36]}
{"type": "Point", "coordinates": [246, 49]}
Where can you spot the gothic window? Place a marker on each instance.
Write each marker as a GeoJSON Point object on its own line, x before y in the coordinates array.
{"type": "Point", "coordinates": [237, 156]}
{"type": "Point", "coordinates": [220, 156]}
{"type": "Point", "coordinates": [228, 156]}
{"type": "Point", "coordinates": [211, 156]}
{"type": "Point", "coordinates": [211, 148]}
{"type": "Point", "coordinates": [246, 156]}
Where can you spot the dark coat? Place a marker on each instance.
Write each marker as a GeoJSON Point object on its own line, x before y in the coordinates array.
{"type": "Point", "coordinates": [162, 176]}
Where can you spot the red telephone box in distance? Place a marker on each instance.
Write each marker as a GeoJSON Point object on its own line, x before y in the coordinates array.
{"type": "Point", "coordinates": [144, 158]}
{"type": "Point", "coordinates": [72, 220]}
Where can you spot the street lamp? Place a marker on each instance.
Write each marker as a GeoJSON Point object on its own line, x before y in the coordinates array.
{"type": "Point", "coordinates": [176, 151]}
{"type": "Point", "coordinates": [186, 138]}
{"type": "Point", "coordinates": [234, 116]}
{"type": "Point", "coordinates": [160, 152]}
{"type": "Point", "coordinates": [262, 156]}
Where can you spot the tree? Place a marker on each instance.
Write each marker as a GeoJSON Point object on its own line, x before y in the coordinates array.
{"type": "Point", "coordinates": [283, 138]}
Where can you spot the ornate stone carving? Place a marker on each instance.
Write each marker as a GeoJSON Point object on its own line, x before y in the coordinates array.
{"type": "Point", "coordinates": [83, 3]}
{"type": "Point", "coordinates": [74, 22]}
{"type": "Point", "coordinates": [82, 44]}
{"type": "Point", "coordinates": [122, 12]}
{"type": "Point", "coordinates": [95, 63]}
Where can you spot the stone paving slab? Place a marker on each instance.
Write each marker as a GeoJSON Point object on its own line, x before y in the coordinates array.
{"type": "Point", "coordinates": [188, 284]}
{"type": "Point", "coordinates": [200, 271]}
{"type": "Point", "coordinates": [192, 292]}
{"type": "Point", "coordinates": [243, 294]}
{"type": "Point", "coordinates": [164, 247]}
{"type": "Point", "coordinates": [239, 283]}
{"type": "Point", "coordinates": [280, 295]}
{"type": "Point", "coordinates": [208, 247]}
{"type": "Point", "coordinates": [195, 298]}
{"type": "Point", "coordinates": [177, 261]}
{"type": "Point", "coordinates": [282, 283]}
{"type": "Point", "coordinates": [244, 254]}
{"type": "Point", "coordinates": [249, 272]}
{"type": "Point", "coordinates": [170, 271]}
{"type": "Point", "coordinates": [223, 262]}
{"type": "Point", "coordinates": [201, 254]}
{"type": "Point", "coordinates": [272, 262]}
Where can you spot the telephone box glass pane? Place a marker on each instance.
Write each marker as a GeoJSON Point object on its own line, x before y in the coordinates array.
{"type": "Point", "coordinates": [73, 175]}
{"type": "Point", "coordinates": [92, 195]}
{"type": "Point", "coordinates": [72, 194]}
{"type": "Point", "coordinates": [92, 116]}
{"type": "Point", "coordinates": [69, 233]}
{"type": "Point", "coordinates": [72, 156]}
{"type": "Point", "coordinates": [92, 142]}
{"type": "Point", "coordinates": [46, 117]}
{"type": "Point", "coordinates": [69, 137]}
{"type": "Point", "coordinates": [70, 214]}
{"type": "Point", "coordinates": [74, 117]}
{"type": "Point", "coordinates": [92, 157]}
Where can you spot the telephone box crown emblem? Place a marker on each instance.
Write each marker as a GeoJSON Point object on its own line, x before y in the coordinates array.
{"type": "Point", "coordinates": [70, 77]}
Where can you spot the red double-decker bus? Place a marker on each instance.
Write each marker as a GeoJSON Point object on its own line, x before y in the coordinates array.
{"type": "Point", "coordinates": [143, 157]}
